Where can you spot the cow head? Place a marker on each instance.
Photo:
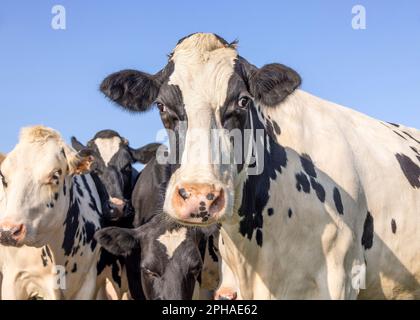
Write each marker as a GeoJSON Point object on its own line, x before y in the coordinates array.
{"type": "Point", "coordinates": [205, 93]}
{"type": "Point", "coordinates": [170, 259]}
{"type": "Point", "coordinates": [113, 166]}
{"type": "Point", "coordinates": [34, 180]}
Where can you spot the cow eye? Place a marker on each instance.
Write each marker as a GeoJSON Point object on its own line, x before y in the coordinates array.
{"type": "Point", "coordinates": [3, 180]}
{"type": "Point", "coordinates": [161, 107]}
{"type": "Point", "coordinates": [243, 101]}
{"type": "Point", "coordinates": [55, 177]}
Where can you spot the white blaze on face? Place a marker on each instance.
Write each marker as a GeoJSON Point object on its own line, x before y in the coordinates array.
{"type": "Point", "coordinates": [172, 240]}
{"type": "Point", "coordinates": [108, 148]}
{"type": "Point", "coordinates": [203, 66]}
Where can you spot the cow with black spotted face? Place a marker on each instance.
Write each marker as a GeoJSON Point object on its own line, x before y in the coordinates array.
{"type": "Point", "coordinates": [312, 207]}
{"type": "Point", "coordinates": [113, 165]}
{"type": "Point", "coordinates": [208, 86]}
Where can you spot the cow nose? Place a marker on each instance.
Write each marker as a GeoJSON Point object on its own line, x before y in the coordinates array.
{"type": "Point", "coordinates": [198, 202]}
{"type": "Point", "coordinates": [116, 207]}
{"type": "Point", "coordinates": [12, 234]}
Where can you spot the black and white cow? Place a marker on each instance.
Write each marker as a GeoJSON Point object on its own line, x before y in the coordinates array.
{"type": "Point", "coordinates": [113, 165]}
{"type": "Point", "coordinates": [49, 213]}
{"type": "Point", "coordinates": [164, 259]}
{"type": "Point", "coordinates": [313, 209]}
{"type": "Point", "coordinates": [112, 169]}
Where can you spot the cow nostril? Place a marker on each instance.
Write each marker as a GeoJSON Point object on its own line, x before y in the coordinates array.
{"type": "Point", "coordinates": [12, 234]}
{"type": "Point", "coordinates": [210, 196]}
{"type": "Point", "coordinates": [183, 193]}
{"type": "Point", "coordinates": [218, 203]}
{"type": "Point", "coordinates": [17, 231]}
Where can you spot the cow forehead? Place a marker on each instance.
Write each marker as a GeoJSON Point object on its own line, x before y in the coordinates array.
{"type": "Point", "coordinates": [172, 240]}
{"type": "Point", "coordinates": [203, 77]}
{"type": "Point", "coordinates": [108, 147]}
{"type": "Point", "coordinates": [39, 159]}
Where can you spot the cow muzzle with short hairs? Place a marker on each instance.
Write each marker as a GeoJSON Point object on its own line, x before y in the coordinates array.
{"type": "Point", "coordinates": [198, 203]}
{"type": "Point", "coordinates": [119, 208]}
{"type": "Point", "coordinates": [12, 234]}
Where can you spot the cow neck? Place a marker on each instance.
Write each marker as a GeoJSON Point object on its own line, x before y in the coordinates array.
{"type": "Point", "coordinates": [76, 231]}
{"type": "Point", "coordinates": [102, 192]}
{"type": "Point", "coordinates": [254, 189]}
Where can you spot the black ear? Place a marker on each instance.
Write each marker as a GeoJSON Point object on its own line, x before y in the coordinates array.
{"type": "Point", "coordinates": [133, 90]}
{"type": "Point", "coordinates": [118, 241]}
{"type": "Point", "coordinates": [76, 144]}
{"type": "Point", "coordinates": [273, 83]}
{"type": "Point", "coordinates": [145, 153]}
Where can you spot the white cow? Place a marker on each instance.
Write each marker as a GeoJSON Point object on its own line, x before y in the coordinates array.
{"type": "Point", "coordinates": [328, 207]}
{"type": "Point", "coordinates": [48, 216]}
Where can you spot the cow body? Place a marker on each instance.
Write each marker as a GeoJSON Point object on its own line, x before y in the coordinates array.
{"type": "Point", "coordinates": [330, 215]}
{"type": "Point", "coordinates": [310, 210]}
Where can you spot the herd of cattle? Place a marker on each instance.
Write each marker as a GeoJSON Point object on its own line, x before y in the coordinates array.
{"type": "Point", "coordinates": [322, 203]}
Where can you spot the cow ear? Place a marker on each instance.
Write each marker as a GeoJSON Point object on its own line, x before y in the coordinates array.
{"type": "Point", "coordinates": [82, 162]}
{"type": "Point", "coordinates": [272, 83]}
{"type": "Point", "coordinates": [118, 241]}
{"type": "Point", "coordinates": [76, 144]}
{"type": "Point", "coordinates": [146, 153]}
{"type": "Point", "coordinates": [132, 90]}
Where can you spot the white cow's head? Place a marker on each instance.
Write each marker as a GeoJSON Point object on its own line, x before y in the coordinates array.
{"type": "Point", "coordinates": [35, 179]}
{"type": "Point", "coordinates": [207, 94]}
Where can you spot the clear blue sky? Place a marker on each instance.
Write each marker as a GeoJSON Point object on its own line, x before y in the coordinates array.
{"type": "Point", "coordinates": [51, 77]}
